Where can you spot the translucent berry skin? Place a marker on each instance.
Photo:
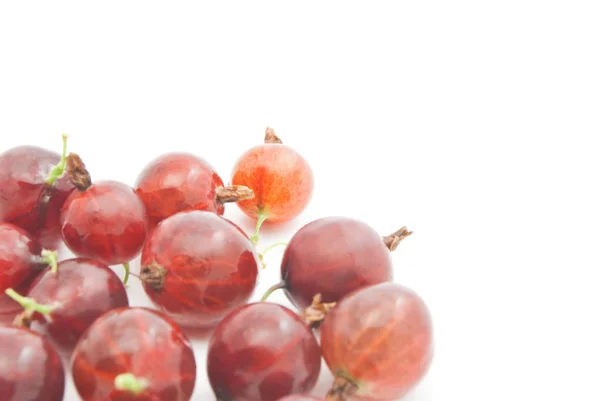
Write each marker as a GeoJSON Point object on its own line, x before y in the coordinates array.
{"type": "Point", "coordinates": [262, 352]}
{"type": "Point", "coordinates": [281, 179]}
{"type": "Point", "coordinates": [381, 338]}
{"type": "Point", "coordinates": [26, 200]}
{"type": "Point", "coordinates": [210, 267]}
{"type": "Point", "coordinates": [106, 222]}
{"type": "Point", "coordinates": [30, 368]}
{"type": "Point", "coordinates": [20, 263]}
{"type": "Point", "coordinates": [177, 182]}
{"type": "Point", "coordinates": [333, 256]}
{"type": "Point", "coordinates": [139, 341]}
{"type": "Point", "coordinates": [83, 290]}
{"type": "Point", "coordinates": [299, 397]}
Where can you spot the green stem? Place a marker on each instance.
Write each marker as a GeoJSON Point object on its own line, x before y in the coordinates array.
{"type": "Point", "coordinates": [126, 266]}
{"type": "Point", "coordinates": [261, 255]}
{"type": "Point", "coordinates": [28, 304]}
{"type": "Point", "coordinates": [128, 382]}
{"type": "Point", "coordinates": [59, 170]}
{"type": "Point", "coordinates": [274, 288]}
{"type": "Point", "coordinates": [51, 258]}
{"type": "Point", "coordinates": [262, 216]}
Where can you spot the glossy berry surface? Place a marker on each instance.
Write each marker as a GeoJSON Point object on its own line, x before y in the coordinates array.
{"type": "Point", "coordinates": [281, 179]}
{"type": "Point", "coordinates": [106, 221]}
{"type": "Point", "coordinates": [26, 199]}
{"type": "Point", "coordinates": [381, 338]}
{"type": "Point", "coordinates": [262, 352]}
{"type": "Point", "coordinates": [177, 182]}
{"type": "Point", "coordinates": [136, 341]}
{"type": "Point", "coordinates": [299, 397]}
{"type": "Point", "coordinates": [333, 256]}
{"type": "Point", "coordinates": [30, 368]}
{"type": "Point", "coordinates": [80, 291]}
{"type": "Point", "coordinates": [197, 267]}
{"type": "Point", "coordinates": [20, 263]}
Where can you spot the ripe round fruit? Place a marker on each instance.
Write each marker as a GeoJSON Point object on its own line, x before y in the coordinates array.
{"type": "Point", "coordinates": [177, 182]}
{"type": "Point", "coordinates": [134, 354]}
{"type": "Point", "coordinates": [280, 177]}
{"type": "Point", "coordinates": [377, 342]}
{"type": "Point", "coordinates": [30, 368]}
{"type": "Point", "coordinates": [33, 188]}
{"type": "Point", "coordinates": [334, 256]}
{"type": "Point", "coordinates": [65, 302]}
{"type": "Point", "coordinates": [299, 397]}
{"type": "Point", "coordinates": [20, 263]}
{"type": "Point", "coordinates": [197, 267]}
{"type": "Point", "coordinates": [262, 352]}
{"type": "Point", "coordinates": [105, 221]}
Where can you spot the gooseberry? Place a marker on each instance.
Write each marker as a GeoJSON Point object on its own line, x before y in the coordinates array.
{"type": "Point", "coordinates": [197, 267]}
{"type": "Point", "coordinates": [30, 368]}
{"type": "Point", "coordinates": [64, 301]}
{"type": "Point", "coordinates": [333, 256]}
{"type": "Point", "coordinates": [134, 353]}
{"type": "Point", "coordinates": [262, 352]}
{"type": "Point", "coordinates": [377, 342]}
{"type": "Point", "coordinates": [33, 188]}
{"type": "Point", "coordinates": [105, 221]}
{"type": "Point", "coordinates": [280, 177]}
{"type": "Point", "coordinates": [176, 182]}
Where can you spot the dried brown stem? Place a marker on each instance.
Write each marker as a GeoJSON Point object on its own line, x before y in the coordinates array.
{"type": "Point", "coordinates": [233, 193]}
{"type": "Point", "coordinates": [316, 312]}
{"type": "Point", "coordinates": [77, 173]}
{"type": "Point", "coordinates": [342, 389]}
{"type": "Point", "coordinates": [270, 136]}
{"type": "Point", "coordinates": [23, 319]}
{"type": "Point", "coordinates": [154, 276]}
{"type": "Point", "coordinates": [393, 240]}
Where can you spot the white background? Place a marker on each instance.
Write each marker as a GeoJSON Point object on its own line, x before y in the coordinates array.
{"type": "Point", "coordinates": [471, 122]}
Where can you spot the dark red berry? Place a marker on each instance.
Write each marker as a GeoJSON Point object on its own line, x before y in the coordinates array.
{"type": "Point", "coordinates": [198, 267]}
{"type": "Point", "coordinates": [176, 182]}
{"type": "Point", "coordinates": [377, 342]}
{"type": "Point", "coordinates": [334, 256]}
{"type": "Point", "coordinates": [30, 368]}
{"type": "Point", "coordinates": [65, 302]}
{"type": "Point", "coordinates": [33, 188]}
{"type": "Point", "coordinates": [20, 263]}
{"type": "Point", "coordinates": [134, 354]}
{"type": "Point", "coordinates": [262, 352]}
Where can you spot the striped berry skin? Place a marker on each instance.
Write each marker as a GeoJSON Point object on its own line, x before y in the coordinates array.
{"type": "Point", "coordinates": [261, 352]}
{"type": "Point", "coordinates": [134, 341]}
{"type": "Point", "coordinates": [30, 368]}
{"type": "Point", "coordinates": [197, 267]}
{"type": "Point", "coordinates": [377, 342]}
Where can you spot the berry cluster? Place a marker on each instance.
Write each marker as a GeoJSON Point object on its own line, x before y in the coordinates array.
{"type": "Point", "coordinates": [200, 271]}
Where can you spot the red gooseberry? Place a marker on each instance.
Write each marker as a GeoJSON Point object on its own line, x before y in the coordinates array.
{"type": "Point", "coordinates": [33, 188]}
{"type": "Point", "coordinates": [197, 267]}
{"type": "Point", "coordinates": [134, 353]}
{"type": "Point", "coordinates": [105, 221]}
{"type": "Point", "coordinates": [377, 342]}
{"type": "Point", "coordinates": [21, 260]}
{"type": "Point", "coordinates": [65, 300]}
{"type": "Point", "coordinates": [30, 368]}
{"type": "Point", "coordinates": [334, 256]}
{"type": "Point", "coordinates": [280, 177]}
{"type": "Point", "coordinates": [177, 182]}
{"type": "Point", "coordinates": [261, 352]}
{"type": "Point", "coordinates": [299, 397]}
